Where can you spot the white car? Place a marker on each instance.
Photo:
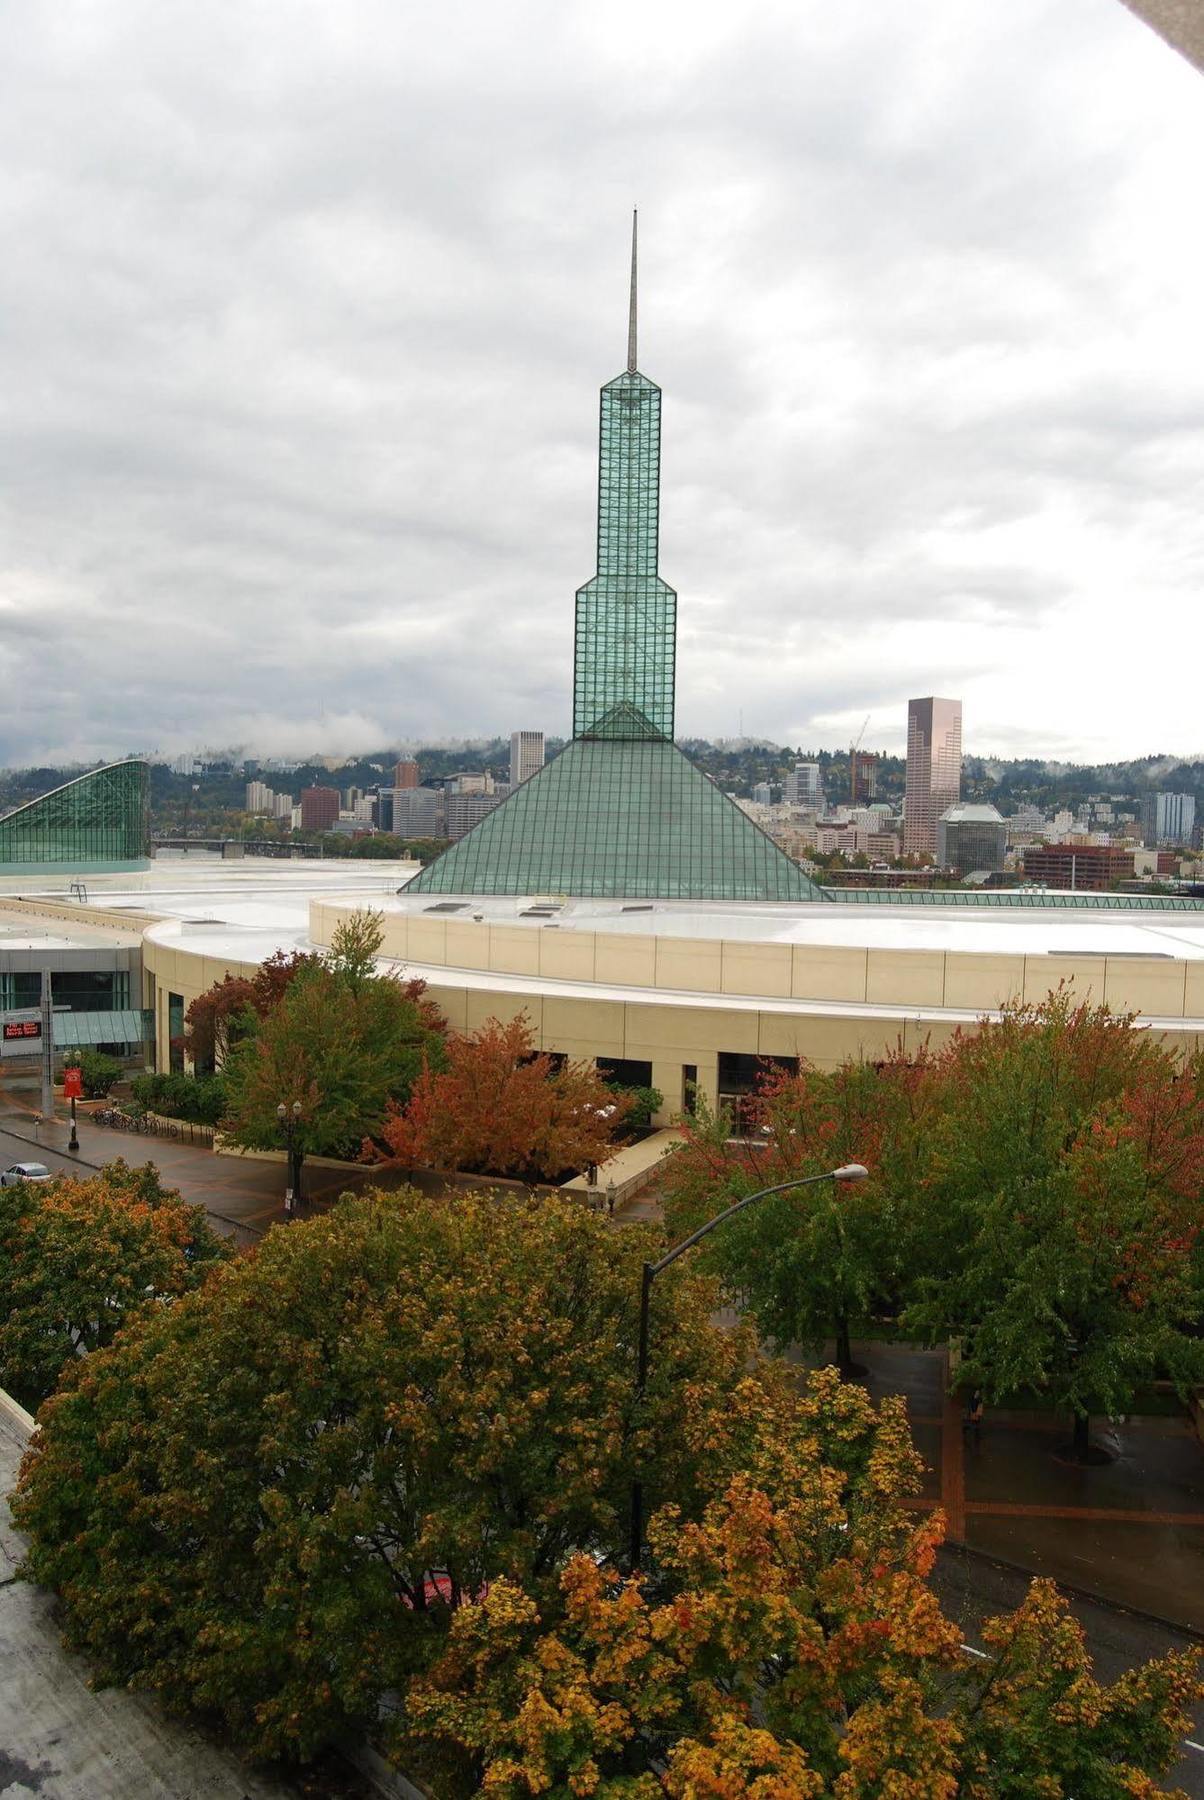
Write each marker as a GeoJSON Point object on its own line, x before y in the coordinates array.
{"type": "Point", "coordinates": [25, 1172]}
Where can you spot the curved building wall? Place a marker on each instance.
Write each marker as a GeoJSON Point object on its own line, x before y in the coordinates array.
{"type": "Point", "coordinates": [98, 823]}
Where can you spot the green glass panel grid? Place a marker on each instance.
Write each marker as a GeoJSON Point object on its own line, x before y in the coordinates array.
{"type": "Point", "coordinates": [99, 820]}
{"type": "Point", "coordinates": [618, 819]}
{"type": "Point", "coordinates": [1013, 899]}
{"type": "Point", "coordinates": [626, 616]}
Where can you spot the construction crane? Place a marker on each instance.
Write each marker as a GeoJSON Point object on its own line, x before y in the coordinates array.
{"type": "Point", "coordinates": [853, 749]}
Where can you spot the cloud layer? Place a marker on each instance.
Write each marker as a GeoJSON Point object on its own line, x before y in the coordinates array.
{"type": "Point", "coordinates": [306, 305]}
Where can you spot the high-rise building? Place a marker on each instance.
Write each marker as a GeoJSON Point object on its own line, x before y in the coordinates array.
{"type": "Point", "coordinates": [461, 811]}
{"type": "Point", "coordinates": [621, 811]}
{"type": "Point", "coordinates": [762, 793]}
{"type": "Point", "coordinates": [526, 755]}
{"type": "Point", "coordinates": [804, 787]}
{"type": "Point", "coordinates": [1167, 818]}
{"type": "Point", "coordinates": [971, 837]}
{"type": "Point", "coordinates": [258, 798]}
{"type": "Point", "coordinates": [319, 808]}
{"type": "Point", "coordinates": [405, 775]}
{"type": "Point", "coordinates": [934, 770]}
{"type": "Point", "coordinates": [863, 775]}
{"type": "Point", "coordinates": [282, 806]}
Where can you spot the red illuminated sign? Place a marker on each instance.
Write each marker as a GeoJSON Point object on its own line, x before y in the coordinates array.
{"type": "Point", "coordinates": [21, 1028]}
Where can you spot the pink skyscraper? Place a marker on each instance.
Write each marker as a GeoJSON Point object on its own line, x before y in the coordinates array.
{"type": "Point", "coordinates": [934, 770]}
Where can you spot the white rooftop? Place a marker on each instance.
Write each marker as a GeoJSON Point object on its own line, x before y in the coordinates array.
{"type": "Point", "coordinates": [1028, 930]}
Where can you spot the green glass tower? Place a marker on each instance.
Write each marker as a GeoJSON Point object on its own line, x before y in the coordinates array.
{"type": "Point", "coordinates": [621, 813]}
{"type": "Point", "coordinates": [623, 663]}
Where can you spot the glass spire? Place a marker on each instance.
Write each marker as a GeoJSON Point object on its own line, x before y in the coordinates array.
{"type": "Point", "coordinates": [625, 648]}
{"type": "Point", "coordinates": [621, 813]}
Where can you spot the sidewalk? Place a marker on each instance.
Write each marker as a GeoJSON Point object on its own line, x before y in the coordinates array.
{"type": "Point", "coordinates": [1130, 1531]}
{"type": "Point", "coordinates": [241, 1194]}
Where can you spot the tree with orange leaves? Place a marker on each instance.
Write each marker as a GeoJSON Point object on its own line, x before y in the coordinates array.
{"type": "Point", "coordinates": [500, 1108]}
{"type": "Point", "coordinates": [77, 1258]}
{"type": "Point", "coordinates": [788, 1647]}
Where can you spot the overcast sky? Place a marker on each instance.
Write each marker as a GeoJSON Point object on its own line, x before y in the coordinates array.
{"type": "Point", "coordinates": [305, 307]}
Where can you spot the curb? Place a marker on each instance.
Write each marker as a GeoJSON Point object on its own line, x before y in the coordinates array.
{"type": "Point", "coordinates": [10, 1130]}
{"type": "Point", "coordinates": [956, 1547]}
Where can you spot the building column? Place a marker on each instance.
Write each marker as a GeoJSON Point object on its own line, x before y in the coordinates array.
{"type": "Point", "coordinates": [671, 1076]}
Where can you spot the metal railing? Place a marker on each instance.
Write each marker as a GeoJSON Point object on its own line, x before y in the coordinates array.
{"type": "Point", "coordinates": [152, 1125]}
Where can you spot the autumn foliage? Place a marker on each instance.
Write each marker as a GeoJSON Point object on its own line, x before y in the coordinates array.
{"type": "Point", "coordinates": [1034, 1192]}
{"type": "Point", "coordinates": [500, 1108]}
{"type": "Point", "coordinates": [79, 1257]}
{"type": "Point", "coordinates": [263, 1501]}
{"type": "Point", "coordinates": [789, 1646]}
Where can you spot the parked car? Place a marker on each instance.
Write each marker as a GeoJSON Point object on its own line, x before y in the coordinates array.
{"type": "Point", "coordinates": [25, 1172]}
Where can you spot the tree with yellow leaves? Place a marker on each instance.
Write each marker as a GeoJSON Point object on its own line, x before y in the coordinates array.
{"type": "Point", "coordinates": [788, 1647]}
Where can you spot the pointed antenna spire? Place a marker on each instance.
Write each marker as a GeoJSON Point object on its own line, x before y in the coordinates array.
{"type": "Point", "coordinates": [631, 317]}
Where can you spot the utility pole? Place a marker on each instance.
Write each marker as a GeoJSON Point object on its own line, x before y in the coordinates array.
{"type": "Point", "coordinates": [47, 1048]}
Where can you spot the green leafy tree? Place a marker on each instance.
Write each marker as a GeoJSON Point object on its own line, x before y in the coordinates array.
{"type": "Point", "coordinates": [1056, 1213]}
{"type": "Point", "coordinates": [340, 1039]}
{"type": "Point", "coordinates": [98, 1071]}
{"type": "Point", "coordinates": [78, 1258]}
{"type": "Point", "coordinates": [265, 1501]}
{"type": "Point", "coordinates": [811, 1263]}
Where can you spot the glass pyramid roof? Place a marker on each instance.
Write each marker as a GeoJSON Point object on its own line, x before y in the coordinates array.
{"type": "Point", "coordinates": [618, 818]}
{"type": "Point", "coordinates": [622, 813]}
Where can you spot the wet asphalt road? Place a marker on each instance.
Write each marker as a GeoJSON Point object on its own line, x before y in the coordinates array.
{"type": "Point", "coordinates": [972, 1589]}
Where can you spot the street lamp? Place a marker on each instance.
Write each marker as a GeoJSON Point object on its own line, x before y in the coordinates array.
{"type": "Point", "coordinates": [289, 1121]}
{"type": "Point", "coordinates": [847, 1172]}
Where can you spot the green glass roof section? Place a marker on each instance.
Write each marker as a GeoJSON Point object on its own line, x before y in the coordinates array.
{"type": "Point", "coordinates": [98, 822]}
{"type": "Point", "coordinates": [1078, 899]}
{"type": "Point", "coordinates": [618, 818]}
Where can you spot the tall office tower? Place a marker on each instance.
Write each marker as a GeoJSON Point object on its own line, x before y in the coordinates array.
{"type": "Point", "coordinates": [319, 808]}
{"type": "Point", "coordinates": [804, 787]}
{"type": "Point", "coordinates": [405, 775]}
{"type": "Point", "coordinates": [526, 756]}
{"type": "Point", "coordinates": [1167, 818]}
{"type": "Point", "coordinates": [934, 770]}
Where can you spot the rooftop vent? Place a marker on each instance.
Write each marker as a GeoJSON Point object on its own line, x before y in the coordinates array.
{"type": "Point", "coordinates": [444, 906]}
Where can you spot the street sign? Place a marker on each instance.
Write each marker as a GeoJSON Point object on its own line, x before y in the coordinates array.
{"type": "Point", "coordinates": [73, 1083]}
{"type": "Point", "coordinates": [21, 1032]}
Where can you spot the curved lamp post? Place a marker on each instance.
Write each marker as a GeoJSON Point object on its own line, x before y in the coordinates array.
{"type": "Point", "coordinates": [847, 1172]}
{"type": "Point", "coordinates": [289, 1121]}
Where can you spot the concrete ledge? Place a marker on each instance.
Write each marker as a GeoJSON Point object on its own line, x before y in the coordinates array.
{"type": "Point", "coordinates": [16, 1415]}
{"type": "Point", "coordinates": [629, 1170]}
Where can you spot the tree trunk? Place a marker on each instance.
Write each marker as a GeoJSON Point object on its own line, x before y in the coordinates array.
{"type": "Point", "coordinates": [1082, 1436]}
{"type": "Point", "coordinates": [844, 1348]}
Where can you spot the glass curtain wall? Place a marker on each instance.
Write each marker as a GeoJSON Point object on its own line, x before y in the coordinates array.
{"type": "Point", "coordinates": [98, 821]}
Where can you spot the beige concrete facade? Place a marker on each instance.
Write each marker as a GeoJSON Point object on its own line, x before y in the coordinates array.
{"type": "Point", "coordinates": [680, 1002]}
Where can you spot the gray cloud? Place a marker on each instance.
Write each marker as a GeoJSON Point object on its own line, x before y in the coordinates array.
{"type": "Point", "coordinates": [306, 307]}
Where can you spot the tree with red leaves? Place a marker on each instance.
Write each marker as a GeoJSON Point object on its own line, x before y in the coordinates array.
{"type": "Point", "coordinates": [499, 1108]}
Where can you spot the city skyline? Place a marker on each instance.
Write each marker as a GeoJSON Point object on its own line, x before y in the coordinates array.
{"type": "Point", "coordinates": [930, 369]}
